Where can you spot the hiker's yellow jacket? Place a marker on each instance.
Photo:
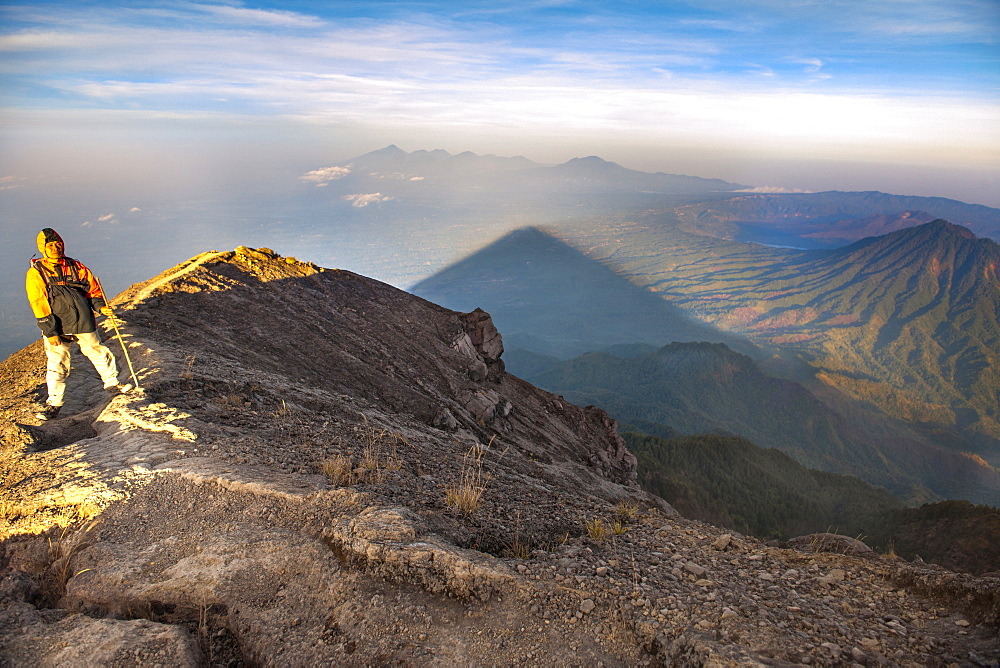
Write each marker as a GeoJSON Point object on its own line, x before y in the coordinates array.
{"type": "Point", "coordinates": [64, 296]}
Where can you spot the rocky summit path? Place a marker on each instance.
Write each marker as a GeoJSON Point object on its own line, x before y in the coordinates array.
{"type": "Point", "coordinates": [323, 470]}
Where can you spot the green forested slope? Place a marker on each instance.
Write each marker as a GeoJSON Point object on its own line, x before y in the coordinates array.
{"type": "Point", "coordinates": [696, 387]}
{"type": "Point", "coordinates": [908, 322]}
{"type": "Point", "coordinates": [733, 483]}
{"type": "Point", "coordinates": [704, 387]}
{"type": "Point", "coordinates": [954, 534]}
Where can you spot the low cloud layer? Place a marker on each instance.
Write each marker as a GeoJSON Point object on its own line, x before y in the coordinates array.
{"type": "Point", "coordinates": [772, 190]}
{"type": "Point", "coordinates": [323, 177]}
{"type": "Point", "coordinates": [10, 182]}
{"type": "Point", "coordinates": [363, 200]}
{"type": "Point", "coordinates": [106, 219]}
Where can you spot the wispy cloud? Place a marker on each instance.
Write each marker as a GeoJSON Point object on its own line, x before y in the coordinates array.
{"type": "Point", "coordinates": [107, 219]}
{"type": "Point", "coordinates": [772, 190]}
{"type": "Point", "coordinates": [363, 200]}
{"type": "Point", "coordinates": [813, 67]}
{"type": "Point", "coordinates": [11, 182]}
{"type": "Point", "coordinates": [965, 20]}
{"type": "Point", "coordinates": [322, 177]}
{"type": "Point", "coordinates": [258, 17]}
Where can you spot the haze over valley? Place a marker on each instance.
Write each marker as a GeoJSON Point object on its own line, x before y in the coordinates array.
{"type": "Point", "coordinates": [875, 309]}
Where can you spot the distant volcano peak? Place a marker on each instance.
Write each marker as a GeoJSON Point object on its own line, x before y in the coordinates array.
{"type": "Point", "coordinates": [593, 161]}
{"type": "Point", "coordinates": [943, 225]}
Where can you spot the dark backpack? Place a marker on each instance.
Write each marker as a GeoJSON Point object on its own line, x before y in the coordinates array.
{"type": "Point", "coordinates": [69, 280]}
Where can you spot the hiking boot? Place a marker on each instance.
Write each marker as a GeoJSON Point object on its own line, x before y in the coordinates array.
{"type": "Point", "coordinates": [48, 412]}
{"type": "Point", "coordinates": [116, 389]}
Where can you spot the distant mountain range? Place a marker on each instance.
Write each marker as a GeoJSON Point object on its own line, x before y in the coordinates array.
{"type": "Point", "coordinates": [431, 170]}
{"type": "Point", "coordinates": [586, 185]}
{"type": "Point", "coordinates": [829, 219]}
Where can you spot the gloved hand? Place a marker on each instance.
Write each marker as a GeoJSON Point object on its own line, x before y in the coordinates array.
{"type": "Point", "coordinates": [54, 340]}
{"type": "Point", "coordinates": [107, 310]}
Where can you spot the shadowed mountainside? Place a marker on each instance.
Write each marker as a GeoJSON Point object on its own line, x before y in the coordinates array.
{"type": "Point", "coordinates": [903, 325]}
{"type": "Point", "coordinates": [550, 298]}
{"type": "Point", "coordinates": [322, 469]}
{"type": "Point", "coordinates": [954, 534]}
{"type": "Point", "coordinates": [731, 482]}
{"type": "Point", "coordinates": [702, 387]}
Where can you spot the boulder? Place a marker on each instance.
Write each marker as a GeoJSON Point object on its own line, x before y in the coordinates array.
{"type": "Point", "coordinates": [828, 542]}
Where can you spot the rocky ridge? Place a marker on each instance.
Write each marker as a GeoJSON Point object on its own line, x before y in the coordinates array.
{"type": "Point", "coordinates": [320, 468]}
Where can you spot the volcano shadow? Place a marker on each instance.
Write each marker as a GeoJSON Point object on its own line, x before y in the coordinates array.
{"type": "Point", "coordinates": [550, 298]}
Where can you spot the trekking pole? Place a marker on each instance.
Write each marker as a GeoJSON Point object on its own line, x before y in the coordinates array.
{"type": "Point", "coordinates": [114, 323]}
{"type": "Point", "coordinates": [121, 341]}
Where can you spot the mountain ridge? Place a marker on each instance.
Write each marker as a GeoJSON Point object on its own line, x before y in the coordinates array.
{"type": "Point", "coordinates": [441, 168]}
{"type": "Point", "coordinates": [285, 490]}
{"type": "Point", "coordinates": [829, 218]}
{"type": "Point", "coordinates": [868, 317]}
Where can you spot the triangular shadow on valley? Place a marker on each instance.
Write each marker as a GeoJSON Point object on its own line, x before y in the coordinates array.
{"type": "Point", "coordinates": [550, 298]}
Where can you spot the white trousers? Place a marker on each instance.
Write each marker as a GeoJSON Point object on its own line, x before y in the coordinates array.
{"type": "Point", "coordinates": [58, 359]}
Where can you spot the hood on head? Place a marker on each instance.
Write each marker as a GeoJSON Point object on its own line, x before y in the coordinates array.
{"type": "Point", "coordinates": [46, 236]}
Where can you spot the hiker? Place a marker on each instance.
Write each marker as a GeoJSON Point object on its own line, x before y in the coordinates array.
{"type": "Point", "coordinates": [65, 297]}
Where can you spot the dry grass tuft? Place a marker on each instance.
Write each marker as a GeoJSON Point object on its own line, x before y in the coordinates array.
{"type": "Point", "coordinates": [627, 511]}
{"type": "Point", "coordinates": [379, 455]}
{"type": "Point", "coordinates": [466, 494]}
{"type": "Point", "coordinates": [890, 550]}
{"type": "Point", "coordinates": [519, 546]}
{"type": "Point", "coordinates": [339, 470]}
{"type": "Point", "coordinates": [596, 529]}
{"type": "Point", "coordinates": [380, 452]}
{"type": "Point", "coordinates": [62, 549]}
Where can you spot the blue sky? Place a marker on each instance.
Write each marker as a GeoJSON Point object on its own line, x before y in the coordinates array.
{"type": "Point", "coordinates": [895, 95]}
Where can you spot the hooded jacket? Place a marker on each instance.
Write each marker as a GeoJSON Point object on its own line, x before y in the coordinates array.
{"type": "Point", "coordinates": [64, 294]}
